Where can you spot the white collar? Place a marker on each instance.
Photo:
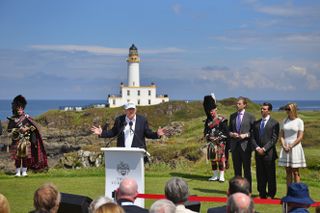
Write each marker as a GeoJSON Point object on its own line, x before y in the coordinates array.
{"type": "Point", "coordinates": [133, 119]}
{"type": "Point", "coordinates": [127, 203]}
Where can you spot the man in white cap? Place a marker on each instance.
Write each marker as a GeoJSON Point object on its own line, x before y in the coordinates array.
{"type": "Point", "coordinates": [130, 129]}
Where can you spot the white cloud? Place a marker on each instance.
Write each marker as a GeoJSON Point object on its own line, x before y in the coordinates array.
{"type": "Point", "coordinates": [313, 38]}
{"type": "Point", "coordinates": [298, 70]}
{"type": "Point", "coordinates": [273, 74]}
{"type": "Point", "coordinates": [82, 48]}
{"type": "Point", "coordinates": [176, 9]}
{"type": "Point", "coordinates": [285, 8]}
{"type": "Point", "coordinates": [99, 50]}
{"type": "Point", "coordinates": [280, 10]}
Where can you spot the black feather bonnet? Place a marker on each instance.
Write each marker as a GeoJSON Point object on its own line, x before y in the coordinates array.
{"type": "Point", "coordinates": [209, 103]}
{"type": "Point", "coordinates": [18, 101]}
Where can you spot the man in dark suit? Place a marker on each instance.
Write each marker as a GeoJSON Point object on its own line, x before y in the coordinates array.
{"type": "Point", "coordinates": [240, 127]}
{"type": "Point", "coordinates": [130, 129]}
{"type": "Point", "coordinates": [236, 184]}
{"type": "Point", "coordinates": [264, 138]}
{"type": "Point", "coordinates": [126, 195]}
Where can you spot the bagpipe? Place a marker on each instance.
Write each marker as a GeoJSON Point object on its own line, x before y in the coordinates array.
{"type": "Point", "coordinates": [214, 133]}
{"type": "Point", "coordinates": [22, 138]}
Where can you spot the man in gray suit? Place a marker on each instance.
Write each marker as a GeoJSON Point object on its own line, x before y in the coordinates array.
{"type": "Point", "coordinates": [240, 127]}
{"type": "Point", "coordinates": [264, 138]}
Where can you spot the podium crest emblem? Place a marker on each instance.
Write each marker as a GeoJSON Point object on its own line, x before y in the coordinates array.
{"type": "Point", "coordinates": [123, 168]}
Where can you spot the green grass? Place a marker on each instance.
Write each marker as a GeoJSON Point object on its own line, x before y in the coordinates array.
{"type": "Point", "coordinates": [180, 156]}
{"type": "Point", "coordinates": [90, 182]}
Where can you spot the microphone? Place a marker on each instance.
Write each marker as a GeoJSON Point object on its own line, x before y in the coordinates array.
{"type": "Point", "coordinates": [131, 124]}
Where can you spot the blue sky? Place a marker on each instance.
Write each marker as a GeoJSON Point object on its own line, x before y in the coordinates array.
{"type": "Point", "coordinates": [77, 49]}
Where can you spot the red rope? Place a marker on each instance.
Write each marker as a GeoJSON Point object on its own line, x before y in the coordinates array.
{"type": "Point", "coordinates": [217, 199]}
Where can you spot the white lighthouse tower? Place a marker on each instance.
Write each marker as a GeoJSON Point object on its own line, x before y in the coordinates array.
{"type": "Point", "coordinates": [133, 92]}
{"type": "Point", "coordinates": [133, 67]}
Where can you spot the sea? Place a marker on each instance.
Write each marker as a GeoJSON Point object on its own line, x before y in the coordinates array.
{"type": "Point", "coordinates": [37, 107]}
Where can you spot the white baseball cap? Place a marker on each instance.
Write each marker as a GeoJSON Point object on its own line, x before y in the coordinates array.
{"type": "Point", "coordinates": [129, 105]}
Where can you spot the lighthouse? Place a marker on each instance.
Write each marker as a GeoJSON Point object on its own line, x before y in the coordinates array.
{"type": "Point", "coordinates": [133, 92]}
{"type": "Point", "coordinates": [133, 61]}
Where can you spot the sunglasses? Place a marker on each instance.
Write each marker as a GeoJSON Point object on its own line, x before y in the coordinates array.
{"type": "Point", "coordinates": [287, 109]}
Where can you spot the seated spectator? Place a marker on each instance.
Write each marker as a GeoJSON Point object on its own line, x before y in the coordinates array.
{"type": "Point", "coordinates": [4, 204]}
{"type": "Point", "coordinates": [109, 208]}
{"type": "Point", "coordinates": [163, 206]}
{"type": "Point", "coordinates": [177, 191]}
{"type": "Point", "coordinates": [240, 203]}
{"type": "Point", "coordinates": [95, 204]}
{"type": "Point", "coordinates": [297, 199]}
{"type": "Point", "coordinates": [236, 184]}
{"type": "Point", "coordinates": [126, 195]}
{"type": "Point", "coordinates": [46, 199]}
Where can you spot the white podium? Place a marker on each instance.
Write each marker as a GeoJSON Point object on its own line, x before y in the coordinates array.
{"type": "Point", "coordinates": [121, 163]}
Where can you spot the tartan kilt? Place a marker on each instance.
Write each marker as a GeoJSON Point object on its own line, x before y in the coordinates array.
{"type": "Point", "coordinates": [16, 150]}
{"type": "Point", "coordinates": [216, 151]}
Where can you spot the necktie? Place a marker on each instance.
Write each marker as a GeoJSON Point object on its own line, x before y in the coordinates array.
{"type": "Point", "coordinates": [262, 126]}
{"type": "Point", "coordinates": [238, 122]}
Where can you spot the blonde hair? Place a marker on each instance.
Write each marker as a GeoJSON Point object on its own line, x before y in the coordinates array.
{"type": "Point", "coordinates": [4, 204]}
{"type": "Point", "coordinates": [109, 208]}
{"type": "Point", "coordinates": [293, 109]}
{"type": "Point", "coordinates": [47, 198]}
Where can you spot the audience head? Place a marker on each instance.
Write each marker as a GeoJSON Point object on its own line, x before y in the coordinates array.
{"type": "Point", "coordinates": [297, 196]}
{"type": "Point", "coordinates": [4, 204]}
{"type": "Point", "coordinates": [239, 184]}
{"type": "Point", "coordinates": [109, 208]}
{"type": "Point", "coordinates": [163, 206]}
{"type": "Point", "coordinates": [176, 190]}
{"type": "Point", "coordinates": [99, 202]}
{"type": "Point", "coordinates": [128, 189]}
{"type": "Point", "coordinates": [46, 198]}
{"type": "Point", "coordinates": [240, 203]}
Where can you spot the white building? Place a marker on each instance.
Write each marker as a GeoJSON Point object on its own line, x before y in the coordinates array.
{"type": "Point", "coordinates": [133, 92]}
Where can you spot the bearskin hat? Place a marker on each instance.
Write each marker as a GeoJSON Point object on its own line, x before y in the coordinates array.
{"type": "Point", "coordinates": [209, 103]}
{"type": "Point", "coordinates": [18, 101]}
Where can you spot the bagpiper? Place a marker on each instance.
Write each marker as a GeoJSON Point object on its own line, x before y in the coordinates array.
{"type": "Point", "coordinates": [216, 134]}
{"type": "Point", "coordinates": [27, 148]}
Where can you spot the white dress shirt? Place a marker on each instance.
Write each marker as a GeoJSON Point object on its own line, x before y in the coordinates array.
{"type": "Point", "coordinates": [129, 133]}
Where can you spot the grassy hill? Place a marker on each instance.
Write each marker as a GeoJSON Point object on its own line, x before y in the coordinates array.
{"type": "Point", "coordinates": [180, 155]}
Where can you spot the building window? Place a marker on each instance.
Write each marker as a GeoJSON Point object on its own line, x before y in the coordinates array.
{"type": "Point", "coordinates": [114, 101]}
{"type": "Point", "coordinates": [138, 92]}
{"type": "Point", "coordinates": [128, 92]}
{"type": "Point", "coordinates": [149, 101]}
{"type": "Point", "coordinates": [138, 101]}
{"type": "Point", "coordinates": [149, 92]}
{"type": "Point", "coordinates": [128, 100]}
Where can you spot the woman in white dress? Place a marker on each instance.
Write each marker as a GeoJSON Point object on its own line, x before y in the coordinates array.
{"type": "Point", "coordinates": [291, 154]}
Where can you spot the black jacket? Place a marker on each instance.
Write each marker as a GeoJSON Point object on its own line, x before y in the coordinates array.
{"type": "Point", "coordinates": [141, 132]}
{"type": "Point", "coordinates": [268, 140]}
